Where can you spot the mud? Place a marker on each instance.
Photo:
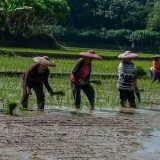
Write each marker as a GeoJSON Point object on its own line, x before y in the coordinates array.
{"type": "Point", "coordinates": [53, 134]}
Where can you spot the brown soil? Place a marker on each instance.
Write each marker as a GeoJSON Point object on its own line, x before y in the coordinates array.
{"type": "Point", "coordinates": [39, 135]}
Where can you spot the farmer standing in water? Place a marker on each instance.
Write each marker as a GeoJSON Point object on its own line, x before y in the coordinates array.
{"type": "Point", "coordinates": [80, 79]}
{"type": "Point", "coordinates": [34, 78]}
{"type": "Point", "coordinates": [126, 79]}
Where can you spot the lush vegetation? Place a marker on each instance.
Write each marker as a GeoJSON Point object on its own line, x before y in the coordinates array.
{"type": "Point", "coordinates": [106, 93]}
{"type": "Point", "coordinates": [111, 14]}
{"type": "Point", "coordinates": [30, 17]}
{"type": "Point", "coordinates": [116, 24]}
{"type": "Point", "coordinates": [111, 23]}
{"type": "Point", "coordinates": [65, 65]}
{"type": "Point", "coordinates": [69, 50]}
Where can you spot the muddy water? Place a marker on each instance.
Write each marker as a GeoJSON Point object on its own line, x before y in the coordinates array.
{"type": "Point", "coordinates": [150, 141]}
{"type": "Point", "coordinates": [57, 134]}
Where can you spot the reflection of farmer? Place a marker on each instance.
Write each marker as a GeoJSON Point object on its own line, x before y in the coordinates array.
{"type": "Point", "coordinates": [80, 77]}
{"type": "Point", "coordinates": [35, 77]}
{"type": "Point", "coordinates": [155, 73]}
{"type": "Point", "coordinates": [126, 80]}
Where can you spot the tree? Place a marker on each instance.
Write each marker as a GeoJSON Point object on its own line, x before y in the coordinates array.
{"type": "Point", "coordinates": [122, 14]}
{"type": "Point", "coordinates": [153, 22]}
{"type": "Point", "coordinates": [144, 38]}
{"type": "Point", "coordinates": [26, 17]}
{"type": "Point", "coordinates": [111, 14]}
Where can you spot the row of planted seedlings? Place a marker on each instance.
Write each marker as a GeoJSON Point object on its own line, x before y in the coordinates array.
{"type": "Point", "coordinates": [106, 93]}
{"type": "Point", "coordinates": [66, 65]}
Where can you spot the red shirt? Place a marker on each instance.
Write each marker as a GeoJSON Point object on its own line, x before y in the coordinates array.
{"type": "Point", "coordinates": [156, 65]}
{"type": "Point", "coordinates": [81, 71]}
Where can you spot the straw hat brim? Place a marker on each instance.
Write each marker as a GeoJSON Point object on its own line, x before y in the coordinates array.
{"type": "Point", "coordinates": [90, 55]}
{"type": "Point", "coordinates": [44, 61]}
{"type": "Point", "coordinates": [156, 56]}
{"type": "Point", "coordinates": [128, 55]}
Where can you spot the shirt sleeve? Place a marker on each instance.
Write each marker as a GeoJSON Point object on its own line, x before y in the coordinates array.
{"type": "Point", "coordinates": [46, 83]}
{"type": "Point", "coordinates": [76, 68]}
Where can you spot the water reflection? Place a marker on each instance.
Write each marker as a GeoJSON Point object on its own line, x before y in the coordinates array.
{"type": "Point", "coordinates": [150, 140]}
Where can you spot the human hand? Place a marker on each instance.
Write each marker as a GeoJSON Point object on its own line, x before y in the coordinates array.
{"type": "Point", "coordinates": [28, 90]}
{"type": "Point", "coordinates": [51, 92]}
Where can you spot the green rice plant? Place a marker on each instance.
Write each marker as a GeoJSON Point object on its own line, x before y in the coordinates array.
{"type": "Point", "coordinates": [139, 72]}
{"type": "Point", "coordinates": [9, 107]}
{"type": "Point", "coordinates": [6, 53]}
{"type": "Point", "coordinates": [106, 94]}
{"type": "Point", "coordinates": [71, 50]}
{"type": "Point", "coordinates": [66, 65]}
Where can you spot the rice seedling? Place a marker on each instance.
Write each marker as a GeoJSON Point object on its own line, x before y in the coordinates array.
{"type": "Point", "coordinates": [71, 50]}
{"type": "Point", "coordinates": [66, 65]}
{"type": "Point", "coordinates": [9, 107]}
{"type": "Point", "coordinates": [106, 93]}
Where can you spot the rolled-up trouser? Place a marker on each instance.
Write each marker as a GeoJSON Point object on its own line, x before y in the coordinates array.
{"type": "Point", "coordinates": [39, 94]}
{"type": "Point", "coordinates": [87, 89]}
{"type": "Point", "coordinates": [127, 95]}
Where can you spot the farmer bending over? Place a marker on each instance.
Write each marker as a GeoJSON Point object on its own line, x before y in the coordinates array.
{"type": "Point", "coordinates": [35, 77]}
{"type": "Point", "coordinates": [80, 79]}
{"type": "Point", "coordinates": [126, 79]}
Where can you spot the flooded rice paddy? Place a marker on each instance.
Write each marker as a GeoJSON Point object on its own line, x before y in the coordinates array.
{"type": "Point", "coordinates": [58, 134]}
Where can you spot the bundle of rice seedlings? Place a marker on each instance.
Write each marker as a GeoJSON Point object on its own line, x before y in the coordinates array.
{"type": "Point", "coordinates": [140, 72]}
{"type": "Point", "coordinates": [9, 107]}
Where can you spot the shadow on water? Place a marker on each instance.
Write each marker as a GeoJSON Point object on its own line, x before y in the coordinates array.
{"type": "Point", "coordinates": [150, 141]}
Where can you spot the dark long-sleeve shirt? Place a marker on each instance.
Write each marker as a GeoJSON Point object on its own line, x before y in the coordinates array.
{"type": "Point", "coordinates": [81, 70]}
{"type": "Point", "coordinates": [32, 78]}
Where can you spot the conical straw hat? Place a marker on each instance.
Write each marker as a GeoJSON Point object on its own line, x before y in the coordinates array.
{"type": "Point", "coordinates": [128, 54]}
{"type": "Point", "coordinates": [90, 54]}
{"type": "Point", "coordinates": [44, 61]}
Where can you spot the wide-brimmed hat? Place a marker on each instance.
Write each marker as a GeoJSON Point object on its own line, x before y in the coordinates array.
{"type": "Point", "coordinates": [156, 56]}
{"type": "Point", "coordinates": [90, 54]}
{"type": "Point", "coordinates": [44, 61]}
{"type": "Point", "coordinates": [128, 54]}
